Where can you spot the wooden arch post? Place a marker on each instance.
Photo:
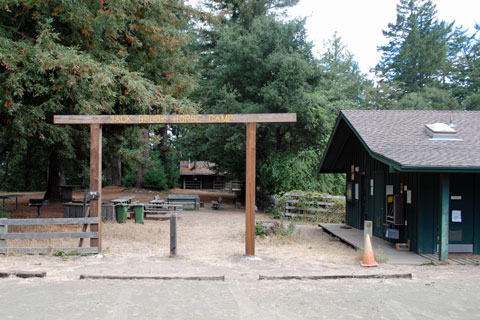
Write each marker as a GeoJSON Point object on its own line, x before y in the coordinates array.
{"type": "Point", "coordinates": [251, 120]}
{"type": "Point", "coordinates": [96, 182]}
{"type": "Point", "coordinates": [250, 190]}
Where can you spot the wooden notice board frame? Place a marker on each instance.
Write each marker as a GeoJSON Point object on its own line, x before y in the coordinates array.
{"type": "Point", "coordinates": [251, 120]}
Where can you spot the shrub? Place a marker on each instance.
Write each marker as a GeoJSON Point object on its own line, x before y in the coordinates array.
{"type": "Point", "coordinates": [154, 177]}
{"type": "Point", "coordinates": [260, 230]}
{"type": "Point", "coordinates": [129, 179]}
{"type": "Point", "coordinates": [282, 172]}
{"type": "Point", "coordinates": [3, 214]}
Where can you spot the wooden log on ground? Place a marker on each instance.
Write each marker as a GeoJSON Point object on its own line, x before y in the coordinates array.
{"type": "Point", "coordinates": [110, 277]}
{"type": "Point", "coordinates": [332, 277]}
{"type": "Point", "coordinates": [23, 274]}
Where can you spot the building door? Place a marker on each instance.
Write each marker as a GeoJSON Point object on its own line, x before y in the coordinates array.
{"type": "Point", "coordinates": [460, 236]}
{"type": "Point", "coordinates": [378, 203]}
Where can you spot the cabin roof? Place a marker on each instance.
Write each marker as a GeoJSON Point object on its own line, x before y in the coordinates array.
{"type": "Point", "coordinates": [197, 168]}
{"type": "Point", "coordinates": [398, 139]}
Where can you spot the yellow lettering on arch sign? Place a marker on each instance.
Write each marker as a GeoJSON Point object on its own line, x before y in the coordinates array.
{"type": "Point", "coordinates": [175, 118]}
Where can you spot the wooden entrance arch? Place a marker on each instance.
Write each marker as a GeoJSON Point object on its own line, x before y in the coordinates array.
{"type": "Point", "coordinates": [96, 122]}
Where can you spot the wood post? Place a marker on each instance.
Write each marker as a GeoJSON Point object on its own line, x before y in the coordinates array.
{"type": "Point", "coordinates": [96, 182]}
{"type": "Point", "coordinates": [173, 234]}
{"type": "Point", "coordinates": [444, 215]}
{"type": "Point", "coordinates": [250, 190]}
{"type": "Point", "coordinates": [3, 229]}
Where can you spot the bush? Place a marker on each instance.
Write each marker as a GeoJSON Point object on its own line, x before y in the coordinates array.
{"type": "Point", "coordinates": [285, 171]}
{"type": "Point", "coordinates": [172, 171]}
{"type": "Point", "coordinates": [260, 230]}
{"type": "Point", "coordinates": [3, 214]}
{"type": "Point", "coordinates": [154, 177]}
{"type": "Point", "coordinates": [129, 179]}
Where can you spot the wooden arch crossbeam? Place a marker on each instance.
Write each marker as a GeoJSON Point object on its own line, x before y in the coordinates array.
{"type": "Point", "coordinates": [96, 122]}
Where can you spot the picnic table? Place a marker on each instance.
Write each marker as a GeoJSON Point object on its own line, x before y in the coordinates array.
{"type": "Point", "coordinates": [189, 201]}
{"type": "Point", "coordinates": [10, 196]}
{"type": "Point", "coordinates": [124, 200]}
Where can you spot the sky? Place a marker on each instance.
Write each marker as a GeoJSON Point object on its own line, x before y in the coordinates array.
{"type": "Point", "coordinates": [360, 23]}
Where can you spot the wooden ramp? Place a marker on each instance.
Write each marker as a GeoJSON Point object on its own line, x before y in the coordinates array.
{"type": "Point", "coordinates": [381, 248]}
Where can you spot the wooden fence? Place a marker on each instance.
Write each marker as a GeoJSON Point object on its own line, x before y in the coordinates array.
{"type": "Point", "coordinates": [5, 235]}
{"type": "Point", "coordinates": [308, 205]}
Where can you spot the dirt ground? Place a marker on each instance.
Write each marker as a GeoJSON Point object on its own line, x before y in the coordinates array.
{"type": "Point", "coordinates": [211, 244]}
{"type": "Point", "coordinates": [209, 241]}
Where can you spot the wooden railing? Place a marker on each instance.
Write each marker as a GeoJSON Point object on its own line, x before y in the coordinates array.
{"type": "Point", "coordinates": [307, 205]}
{"type": "Point", "coordinates": [5, 235]}
{"type": "Point", "coordinates": [192, 185]}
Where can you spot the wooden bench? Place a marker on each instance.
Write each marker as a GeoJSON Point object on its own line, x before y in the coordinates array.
{"type": "Point", "coordinates": [39, 203]}
{"type": "Point", "coordinates": [161, 208]}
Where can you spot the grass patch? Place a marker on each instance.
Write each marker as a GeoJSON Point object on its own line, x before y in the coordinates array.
{"type": "Point", "coordinates": [66, 254]}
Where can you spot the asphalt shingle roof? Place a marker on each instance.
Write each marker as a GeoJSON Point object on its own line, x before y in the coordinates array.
{"type": "Point", "coordinates": [399, 136]}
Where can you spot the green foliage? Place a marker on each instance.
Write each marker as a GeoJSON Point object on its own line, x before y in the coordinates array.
{"type": "Point", "coordinates": [284, 172]}
{"type": "Point", "coordinates": [341, 85]}
{"type": "Point", "coordinates": [286, 78]}
{"type": "Point", "coordinates": [335, 213]}
{"type": "Point", "coordinates": [465, 54]}
{"type": "Point", "coordinates": [276, 229]}
{"type": "Point", "coordinates": [154, 176]}
{"type": "Point", "coordinates": [260, 230]}
{"type": "Point", "coordinates": [172, 171]}
{"type": "Point", "coordinates": [285, 232]}
{"type": "Point", "coordinates": [428, 98]}
{"type": "Point", "coordinates": [129, 178]}
{"type": "Point", "coordinates": [243, 12]}
{"type": "Point", "coordinates": [64, 57]}
{"type": "Point", "coordinates": [4, 214]}
{"type": "Point", "coordinates": [66, 254]}
{"type": "Point", "coordinates": [416, 55]}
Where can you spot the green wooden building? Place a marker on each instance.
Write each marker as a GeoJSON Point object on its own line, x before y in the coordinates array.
{"type": "Point", "coordinates": [414, 174]}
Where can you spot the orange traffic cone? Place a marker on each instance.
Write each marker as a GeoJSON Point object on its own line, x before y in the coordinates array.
{"type": "Point", "coordinates": [368, 257]}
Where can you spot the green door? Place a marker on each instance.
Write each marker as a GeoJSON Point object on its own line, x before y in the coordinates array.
{"type": "Point", "coordinates": [378, 203]}
{"type": "Point", "coordinates": [460, 236]}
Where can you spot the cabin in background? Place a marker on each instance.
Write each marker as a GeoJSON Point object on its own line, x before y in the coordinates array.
{"type": "Point", "coordinates": [202, 175]}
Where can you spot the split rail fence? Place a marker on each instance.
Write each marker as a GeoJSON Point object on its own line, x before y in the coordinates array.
{"type": "Point", "coordinates": [5, 235]}
{"type": "Point", "coordinates": [307, 205]}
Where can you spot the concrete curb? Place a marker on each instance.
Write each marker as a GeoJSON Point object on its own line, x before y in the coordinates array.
{"type": "Point", "coordinates": [332, 277]}
{"type": "Point", "coordinates": [23, 274]}
{"type": "Point", "coordinates": [111, 277]}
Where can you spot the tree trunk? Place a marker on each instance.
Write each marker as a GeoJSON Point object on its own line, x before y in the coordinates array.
{"type": "Point", "coordinates": [54, 179]}
{"type": "Point", "coordinates": [145, 155]}
{"type": "Point", "coordinates": [164, 132]}
{"type": "Point", "coordinates": [115, 171]}
{"type": "Point", "coordinates": [27, 173]}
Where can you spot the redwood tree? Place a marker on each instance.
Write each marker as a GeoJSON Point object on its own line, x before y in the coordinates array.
{"type": "Point", "coordinates": [84, 57]}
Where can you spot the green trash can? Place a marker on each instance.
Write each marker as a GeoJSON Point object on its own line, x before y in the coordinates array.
{"type": "Point", "coordinates": [139, 213]}
{"type": "Point", "coordinates": [121, 213]}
